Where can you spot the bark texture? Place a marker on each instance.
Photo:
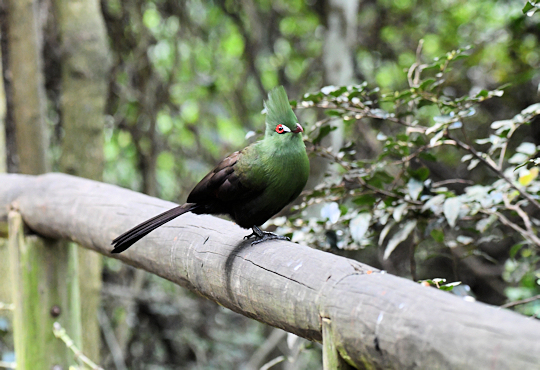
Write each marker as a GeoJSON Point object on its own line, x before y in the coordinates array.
{"type": "Point", "coordinates": [85, 68]}
{"type": "Point", "coordinates": [28, 93]}
{"type": "Point", "coordinates": [5, 285]}
{"type": "Point", "coordinates": [376, 320]}
{"type": "Point", "coordinates": [3, 108]}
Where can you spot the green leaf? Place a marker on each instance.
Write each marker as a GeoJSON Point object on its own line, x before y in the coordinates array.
{"type": "Point", "coordinates": [532, 109]}
{"type": "Point", "coordinates": [385, 231]}
{"type": "Point", "coordinates": [233, 44]}
{"type": "Point", "coordinates": [333, 113]}
{"type": "Point", "coordinates": [484, 223]}
{"type": "Point", "coordinates": [359, 226]}
{"type": "Point", "coordinates": [515, 249]}
{"type": "Point", "coordinates": [528, 6]}
{"type": "Point", "coordinates": [426, 83]}
{"type": "Point", "coordinates": [399, 211]}
{"type": "Point", "coordinates": [403, 94]}
{"type": "Point", "coordinates": [402, 137]}
{"type": "Point", "coordinates": [424, 103]}
{"type": "Point", "coordinates": [382, 176]}
{"type": "Point", "coordinates": [437, 235]}
{"type": "Point", "coordinates": [190, 111]}
{"type": "Point", "coordinates": [428, 156]}
{"type": "Point", "coordinates": [526, 148]}
{"type": "Point", "coordinates": [415, 187]}
{"type": "Point", "coordinates": [483, 93]}
{"type": "Point", "coordinates": [399, 237]}
{"type": "Point", "coordinates": [420, 174]}
{"type": "Point", "coordinates": [331, 212]}
{"type": "Point", "coordinates": [451, 209]}
{"type": "Point", "coordinates": [323, 132]}
{"type": "Point", "coordinates": [151, 18]}
{"type": "Point", "coordinates": [365, 199]}
{"type": "Point", "coordinates": [448, 287]}
{"type": "Point", "coordinates": [518, 158]}
{"type": "Point", "coordinates": [315, 97]}
{"type": "Point", "coordinates": [339, 91]}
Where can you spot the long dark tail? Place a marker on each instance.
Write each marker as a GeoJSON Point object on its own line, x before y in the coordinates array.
{"type": "Point", "coordinates": [128, 238]}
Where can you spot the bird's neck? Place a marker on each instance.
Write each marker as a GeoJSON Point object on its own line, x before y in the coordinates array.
{"type": "Point", "coordinates": [283, 143]}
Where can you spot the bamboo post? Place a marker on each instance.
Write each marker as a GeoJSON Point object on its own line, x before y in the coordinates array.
{"type": "Point", "coordinates": [45, 290]}
{"type": "Point", "coordinates": [331, 357]}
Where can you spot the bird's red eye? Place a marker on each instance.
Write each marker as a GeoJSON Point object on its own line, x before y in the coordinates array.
{"type": "Point", "coordinates": [280, 129]}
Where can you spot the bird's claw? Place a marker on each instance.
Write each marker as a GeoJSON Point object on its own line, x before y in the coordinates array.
{"type": "Point", "coordinates": [268, 236]}
{"type": "Point", "coordinates": [253, 234]}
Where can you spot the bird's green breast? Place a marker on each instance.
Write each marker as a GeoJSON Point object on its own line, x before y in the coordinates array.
{"type": "Point", "coordinates": [280, 168]}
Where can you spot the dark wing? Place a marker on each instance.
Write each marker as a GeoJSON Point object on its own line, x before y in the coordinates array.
{"type": "Point", "coordinates": [223, 184]}
{"type": "Point", "coordinates": [220, 186]}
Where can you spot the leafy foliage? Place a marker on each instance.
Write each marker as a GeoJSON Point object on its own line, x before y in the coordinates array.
{"type": "Point", "coordinates": [531, 7]}
{"type": "Point", "coordinates": [394, 197]}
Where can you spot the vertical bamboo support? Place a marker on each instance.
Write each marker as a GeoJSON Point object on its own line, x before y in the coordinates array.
{"type": "Point", "coordinates": [5, 277]}
{"type": "Point", "coordinates": [45, 290]}
{"type": "Point", "coordinates": [331, 358]}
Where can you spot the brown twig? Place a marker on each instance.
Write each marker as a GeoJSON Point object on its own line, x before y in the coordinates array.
{"type": "Point", "coordinates": [60, 332]}
{"type": "Point", "coordinates": [452, 181]}
{"type": "Point", "coordinates": [521, 301]}
{"type": "Point", "coordinates": [505, 145]}
{"type": "Point", "coordinates": [520, 212]}
{"type": "Point", "coordinates": [526, 234]}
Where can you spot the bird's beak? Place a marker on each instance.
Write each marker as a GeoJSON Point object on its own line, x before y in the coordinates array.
{"type": "Point", "coordinates": [298, 129]}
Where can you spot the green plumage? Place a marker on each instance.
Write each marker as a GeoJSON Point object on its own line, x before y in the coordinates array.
{"type": "Point", "coordinates": [250, 185]}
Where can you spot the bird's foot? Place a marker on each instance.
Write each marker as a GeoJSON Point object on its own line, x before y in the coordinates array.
{"type": "Point", "coordinates": [262, 236]}
{"type": "Point", "coordinates": [269, 236]}
{"type": "Point", "coordinates": [252, 235]}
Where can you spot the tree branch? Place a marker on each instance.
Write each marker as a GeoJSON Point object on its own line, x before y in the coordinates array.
{"type": "Point", "coordinates": [521, 301]}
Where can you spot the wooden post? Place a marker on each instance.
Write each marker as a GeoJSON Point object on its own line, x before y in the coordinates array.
{"type": "Point", "coordinates": [45, 290]}
{"type": "Point", "coordinates": [331, 357]}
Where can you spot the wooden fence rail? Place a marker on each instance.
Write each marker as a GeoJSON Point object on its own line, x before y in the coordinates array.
{"type": "Point", "coordinates": [371, 319]}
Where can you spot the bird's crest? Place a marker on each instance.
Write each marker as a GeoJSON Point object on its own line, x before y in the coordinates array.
{"type": "Point", "coordinates": [278, 110]}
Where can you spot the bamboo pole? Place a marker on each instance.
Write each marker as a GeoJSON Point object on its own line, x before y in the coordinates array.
{"type": "Point", "coordinates": [45, 291]}
{"type": "Point", "coordinates": [332, 360]}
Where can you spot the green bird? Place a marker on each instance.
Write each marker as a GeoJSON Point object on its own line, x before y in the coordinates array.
{"type": "Point", "coordinates": [250, 185]}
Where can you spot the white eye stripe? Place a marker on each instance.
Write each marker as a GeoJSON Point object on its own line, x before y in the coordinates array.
{"type": "Point", "coordinates": [282, 129]}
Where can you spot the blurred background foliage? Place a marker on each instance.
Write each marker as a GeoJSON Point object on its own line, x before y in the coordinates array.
{"type": "Point", "coordinates": [186, 89]}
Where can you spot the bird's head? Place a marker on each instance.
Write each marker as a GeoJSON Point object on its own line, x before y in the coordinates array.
{"type": "Point", "coordinates": [280, 119]}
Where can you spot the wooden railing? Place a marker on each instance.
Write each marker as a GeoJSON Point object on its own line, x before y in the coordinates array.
{"type": "Point", "coordinates": [364, 317]}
